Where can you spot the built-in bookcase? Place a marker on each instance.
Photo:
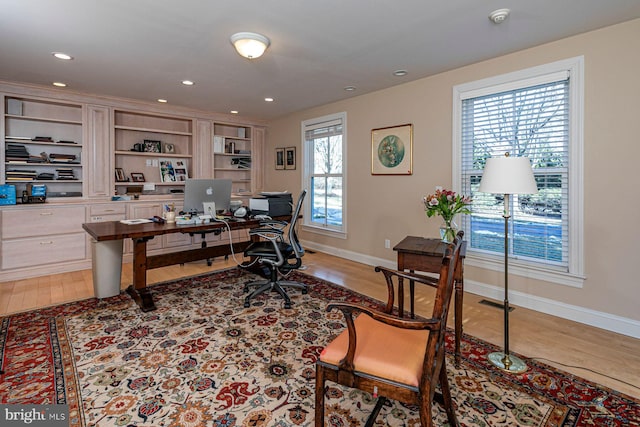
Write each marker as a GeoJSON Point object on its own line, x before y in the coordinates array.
{"type": "Point", "coordinates": [152, 149]}
{"type": "Point", "coordinates": [43, 145]}
{"type": "Point", "coordinates": [233, 156]}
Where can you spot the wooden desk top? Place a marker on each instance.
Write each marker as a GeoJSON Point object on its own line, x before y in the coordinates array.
{"type": "Point", "coordinates": [115, 230]}
{"type": "Point", "coordinates": [425, 246]}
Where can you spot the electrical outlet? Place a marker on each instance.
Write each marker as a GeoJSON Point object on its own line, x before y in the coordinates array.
{"type": "Point", "coordinates": [148, 162]}
{"type": "Point", "coordinates": [387, 243]}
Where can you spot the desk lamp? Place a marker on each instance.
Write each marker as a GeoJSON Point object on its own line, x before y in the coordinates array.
{"type": "Point", "coordinates": [507, 175]}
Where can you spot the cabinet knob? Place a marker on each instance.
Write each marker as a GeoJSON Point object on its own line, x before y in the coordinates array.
{"type": "Point", "coordinates": [50, 242]}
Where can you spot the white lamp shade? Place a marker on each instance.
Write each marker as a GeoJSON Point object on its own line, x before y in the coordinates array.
{"type": "Point", "coordinates": [250, 45]}
{"type": "Point", "coordinates": [508, 175]}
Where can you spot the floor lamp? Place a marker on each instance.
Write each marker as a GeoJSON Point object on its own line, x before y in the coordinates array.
{"type": "Point", "coordinates": [507, 175]}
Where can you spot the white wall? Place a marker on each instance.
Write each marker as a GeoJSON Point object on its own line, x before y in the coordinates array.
{"type": "Point", "coordinates": [389, 207]}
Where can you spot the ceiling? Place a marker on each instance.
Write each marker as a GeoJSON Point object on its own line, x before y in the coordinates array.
{"type": "Point", "coordinates": [143, 49]}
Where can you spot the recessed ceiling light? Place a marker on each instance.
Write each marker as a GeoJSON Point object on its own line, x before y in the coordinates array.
{"type": "Point", "coordinates": [61, 55]}
{"type": "Point", "coordinates": [499, 16]}
{"type": "Point", "coordinates": [349, 88]}
{"type": "Point", "coordinates": [188, 83]}
{"type": "Point", "coordinates": [234, 111]}
{"type": "Point", "coordinates": [59, 84]}
{"type": "Point", "coordinates": [164, 101]}
{"type": "Point", "coordinates": [400, 73]}
{"type": "Point", "coordinates": [269, 99]}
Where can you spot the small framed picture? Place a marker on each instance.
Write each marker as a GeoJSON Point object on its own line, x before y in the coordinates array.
{"type": "Point", "coordinates": [168, 148]}
{"type": "Point", "coordinates": [279, 158]}
{"type": "Point", "coordinates": [391, 150]}
{"type": "Point", "coordinates": [151, 146]}
{"type": "Point", "coordinates": [290, 158]}
{"type": "Point", "coordinates": [120, 176]}
{"type": "Point", "coordinates": [137, 177]}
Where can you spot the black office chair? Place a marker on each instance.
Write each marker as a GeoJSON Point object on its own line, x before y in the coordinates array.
{"type": "Point", "coordinates": [278, 254]}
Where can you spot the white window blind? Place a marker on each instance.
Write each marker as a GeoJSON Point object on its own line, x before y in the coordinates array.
{"type": "Point", "coordinates": [325, 172]}
{"type": "Point", "coordinates": [531, 119]}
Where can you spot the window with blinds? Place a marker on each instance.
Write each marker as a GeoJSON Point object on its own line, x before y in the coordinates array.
{"type": "Point", "coordinates": [528, 122]}
{"type": "Point", "coordinates": [324, 172]}
{"type": "Point", "coordinates": [535, 113]}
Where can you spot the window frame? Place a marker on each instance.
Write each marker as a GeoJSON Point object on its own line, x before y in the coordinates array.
{"type": "Point", "coordinates": [307, 174]}
{"type": "Point", "coordinates": [573, 274]}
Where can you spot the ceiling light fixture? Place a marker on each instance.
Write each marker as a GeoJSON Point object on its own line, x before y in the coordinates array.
{"type": "Point", "coordinates": [250, 45]}
{"type": "Point", "coordinates": [59, 84]}
{"type": "Point", "coordinates": [400, 73]}
{"type": "Point", "coordinates": [164, 101]}
{"type": "Point", "coordinates": [349, 88]}
{"type": "Point", "coordinates": [268, 99]}
{"type": "Point", "coordinates": [499, 16]}
{"type": "Point", "coordinates": [188, 83]}
{"type": "Point", "coordinates": [234, 111]}
{"type": "Point", "coordinates": [61, 55]}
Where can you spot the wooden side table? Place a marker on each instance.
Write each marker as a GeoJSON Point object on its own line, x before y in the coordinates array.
{"type": "Point", "coordinates": [422, 254]}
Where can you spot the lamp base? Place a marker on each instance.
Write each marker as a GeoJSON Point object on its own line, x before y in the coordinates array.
{"type": "Point", "coordinates": [507, 362]}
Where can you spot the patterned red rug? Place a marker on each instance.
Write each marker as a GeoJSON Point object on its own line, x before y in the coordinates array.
{"type": "Point", "coordinates": [202, 359]}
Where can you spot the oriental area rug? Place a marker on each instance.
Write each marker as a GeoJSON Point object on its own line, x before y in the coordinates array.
{"type": "Point", "coordinates": [201, 359]}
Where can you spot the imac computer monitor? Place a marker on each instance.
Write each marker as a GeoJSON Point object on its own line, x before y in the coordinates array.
{"type": "Point", "coordinates": [200, 191]}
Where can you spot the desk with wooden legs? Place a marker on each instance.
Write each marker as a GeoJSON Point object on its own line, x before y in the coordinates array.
{"type": "Point", "coordinates": [422, 254]}
{"type": "Point", "coordinates": [140, 234]}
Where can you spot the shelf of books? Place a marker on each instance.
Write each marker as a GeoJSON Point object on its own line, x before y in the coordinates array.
{"type": "Point", "coordinates": [43, 146]}
{"type": "Point", "coordinates": [232, 157]}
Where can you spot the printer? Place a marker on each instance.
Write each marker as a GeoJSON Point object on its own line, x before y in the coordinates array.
{"type": "Point", "coordinates": [272, 204]}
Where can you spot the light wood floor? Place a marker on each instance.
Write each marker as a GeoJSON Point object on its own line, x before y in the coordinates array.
{"type": "Point", "coordinates": [585, 351]}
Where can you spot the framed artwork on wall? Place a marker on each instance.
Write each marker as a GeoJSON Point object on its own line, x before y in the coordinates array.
{"type": "Point", "coordinates": [279, 158]}
{"type": "Point", "coordinates": [290, 158]}
{"type": "Point", "coordinates": [392, 150]}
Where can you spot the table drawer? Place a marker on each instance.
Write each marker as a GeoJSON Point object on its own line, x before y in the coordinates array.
{"type": "Point", "coordinates": [43, 221]}
{"type": "Point", "coordinates": [41, 250]}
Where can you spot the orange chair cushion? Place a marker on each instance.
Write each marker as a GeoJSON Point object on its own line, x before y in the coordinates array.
{"type": "Point", "coordinates": [382, 350]}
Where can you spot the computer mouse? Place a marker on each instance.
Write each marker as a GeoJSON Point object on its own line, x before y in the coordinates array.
{"type": "Point", "coordinates": [240, 212]}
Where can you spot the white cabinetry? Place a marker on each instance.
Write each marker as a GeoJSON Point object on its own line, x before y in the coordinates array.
{"type": "Point", "coordinates": [37, 236]}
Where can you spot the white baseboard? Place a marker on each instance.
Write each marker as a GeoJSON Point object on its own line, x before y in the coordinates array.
{"type": "Point", "coordinates": [598, 319]}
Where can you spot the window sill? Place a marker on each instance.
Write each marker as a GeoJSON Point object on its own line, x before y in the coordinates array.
{"type": "Point", "coordinates": [524, 269]}
{"type": "Point", "coordinates": [324, 231]}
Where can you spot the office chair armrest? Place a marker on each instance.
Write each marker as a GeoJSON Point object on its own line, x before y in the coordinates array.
{"type": "Point", "coordinates": [267, 233]}
{"type": "Point", "coordinates": [274, 223]}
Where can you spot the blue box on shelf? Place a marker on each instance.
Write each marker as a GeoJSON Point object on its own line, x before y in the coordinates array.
{"type": "Point", "coordinates": [7, 194]}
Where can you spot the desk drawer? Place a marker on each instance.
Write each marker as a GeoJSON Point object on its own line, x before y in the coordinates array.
{"type": "Point", "coordinates": [43, 221]}
{"type": "Point", "coordinates": [103, 209]}
{"type": "Point", "coordinates": [34, 251]}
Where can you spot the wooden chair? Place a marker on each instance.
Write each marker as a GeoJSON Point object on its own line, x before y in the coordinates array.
{"type": "Point", "coordinates": [391, 356]}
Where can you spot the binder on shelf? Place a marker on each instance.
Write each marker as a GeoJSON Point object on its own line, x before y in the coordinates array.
{"type": "Point", "coordinates": [7, 194]}
{"type": "Point", "coordinates": [218, 144]}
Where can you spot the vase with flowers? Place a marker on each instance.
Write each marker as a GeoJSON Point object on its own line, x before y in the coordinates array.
{"type": "Point", "coordinates": [447, 204]}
